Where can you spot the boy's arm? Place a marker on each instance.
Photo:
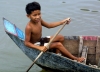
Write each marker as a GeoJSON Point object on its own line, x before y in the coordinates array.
{"type": "Point", "coordinates": [28, 43]}
{"type": "Point", "coordinates": [54, 24]}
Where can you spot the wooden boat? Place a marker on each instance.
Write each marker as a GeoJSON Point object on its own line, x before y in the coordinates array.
{"type": "Point", "coordinates": [87, 46]}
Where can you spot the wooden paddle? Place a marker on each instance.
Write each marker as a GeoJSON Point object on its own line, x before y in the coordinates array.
{"type": "Point", "coordinates": [47, 46]}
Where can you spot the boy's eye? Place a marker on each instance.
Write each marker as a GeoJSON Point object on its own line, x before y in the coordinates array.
{"type": "Point", "coordinates": [34, 15]}
{"type": "Point", "coordinates": [39, 14]}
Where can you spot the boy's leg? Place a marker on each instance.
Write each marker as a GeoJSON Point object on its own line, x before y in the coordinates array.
{"type": "Point", "coordinates": [63, 50]}
{"type": "Point", "coordinates": [59, 38]}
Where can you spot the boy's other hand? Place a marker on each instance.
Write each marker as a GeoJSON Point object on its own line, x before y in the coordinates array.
{"type": "Point", "coordinates": [67, 20]}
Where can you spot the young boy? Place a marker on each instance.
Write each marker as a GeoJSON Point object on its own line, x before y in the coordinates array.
{"type": "Point", "coordinates": [33, 31]}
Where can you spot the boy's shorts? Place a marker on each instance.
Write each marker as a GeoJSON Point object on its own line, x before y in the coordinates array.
{"type": "Point", "coordinates": [43, 41]}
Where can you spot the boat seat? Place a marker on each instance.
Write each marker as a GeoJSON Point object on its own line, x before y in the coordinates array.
{"type": "Point", "coordinates": [84, 53]}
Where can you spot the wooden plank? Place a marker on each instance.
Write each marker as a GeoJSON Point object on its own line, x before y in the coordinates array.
{"type": "Point", "coordinates": [91, 44]}
{"type": "Point", "coordinates": [71, 43]}
{"type": "Point", "coordinates": [98, 51]}
{"type": "Point", "coordinates": [84, 53]}
{"type": "Point", "coordinates": [74, 46]}
{"type": "Point", "coordinates": [80, 46]}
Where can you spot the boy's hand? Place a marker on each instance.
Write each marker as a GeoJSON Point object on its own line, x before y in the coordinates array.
{"type": "Point", "coordinates": [43, 48]}
{"type": "Point", "coordinates": [67, 20]}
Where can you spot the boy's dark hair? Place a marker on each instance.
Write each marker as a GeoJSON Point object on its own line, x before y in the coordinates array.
{"type": "Point", "coordinates": [32, 6]}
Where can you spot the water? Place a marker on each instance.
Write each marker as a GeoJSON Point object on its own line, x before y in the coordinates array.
{"type": "Point", "coordinates": [85, 20]}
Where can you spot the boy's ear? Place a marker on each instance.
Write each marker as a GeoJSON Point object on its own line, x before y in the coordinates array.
{"type": "Point", "coordinates": [28, 15]}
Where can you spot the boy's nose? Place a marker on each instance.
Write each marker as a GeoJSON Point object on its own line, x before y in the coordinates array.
{"type": "Point", "coordinates": [37, 16]}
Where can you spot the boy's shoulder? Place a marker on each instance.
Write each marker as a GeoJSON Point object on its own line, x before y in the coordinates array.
{"type": "Point", "coordinates": [28, 26]}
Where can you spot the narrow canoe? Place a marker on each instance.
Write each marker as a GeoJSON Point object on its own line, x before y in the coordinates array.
{"type": "Point", "coordinates": [52, 61]}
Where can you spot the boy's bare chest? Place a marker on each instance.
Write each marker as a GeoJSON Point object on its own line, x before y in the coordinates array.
{"type": "Point", "coordinates": [36, 29]}
{"type": "Point", "coordinates": [36, 33]}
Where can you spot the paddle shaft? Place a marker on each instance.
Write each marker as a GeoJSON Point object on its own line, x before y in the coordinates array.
{"type": "Point", "coordinates": [46, 46]}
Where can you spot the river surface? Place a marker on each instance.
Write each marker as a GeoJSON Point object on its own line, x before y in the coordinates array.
{"type": "Point", "coordinates": [85, 20]}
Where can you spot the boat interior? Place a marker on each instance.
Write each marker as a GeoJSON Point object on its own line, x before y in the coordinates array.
{"type": "Point", "coordinates": [84, 46]}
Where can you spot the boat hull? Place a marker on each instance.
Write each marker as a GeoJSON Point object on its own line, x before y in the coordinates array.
{"type": "Point", "coordinates": [51, 60]}
{"type": "Point", "coordinates": [48, 59]}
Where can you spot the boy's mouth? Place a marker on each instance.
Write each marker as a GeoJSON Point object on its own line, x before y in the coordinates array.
{"type": "Point", "coordinates": [37, 20]}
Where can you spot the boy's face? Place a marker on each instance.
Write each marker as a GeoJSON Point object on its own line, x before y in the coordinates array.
{"type": "Point", "coordinates": [35, 16]}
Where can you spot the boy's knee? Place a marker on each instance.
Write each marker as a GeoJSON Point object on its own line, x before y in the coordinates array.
{"type": "Point", "coordinates": [61, 37]}
{"type": "Point", "coordinates": [59, 44]}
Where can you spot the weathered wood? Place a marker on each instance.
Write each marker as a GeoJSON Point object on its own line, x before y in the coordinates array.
{"type": "Point", "coordinates": [98, 51]}
{"type": "Point", "coordinates": [99, 63]}
{"type": "Point", "coordinates": [91, 57]}
{"type": "Point", "coordinates": [71, 43]}
{"type": "Point", "coordinates": [80, 46]}
{"type": "Point", "coordinates": [84, 53]}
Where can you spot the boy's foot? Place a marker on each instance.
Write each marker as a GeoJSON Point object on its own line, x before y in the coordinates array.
{"type": "Point", "coordinates": [80, 59]}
